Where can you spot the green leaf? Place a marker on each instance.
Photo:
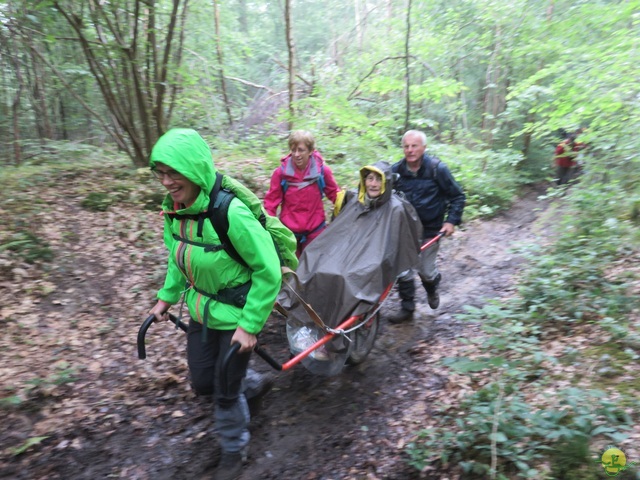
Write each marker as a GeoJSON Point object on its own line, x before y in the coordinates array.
{"type": "Point", "coordinates": [10, 401]}
{"type": "Point", "coordinates": [602, 429]}
{"type": "Point", "coordinates": [618, 437]}
{"type": "Point", "coordinates": [465, 365]}
{"type": "Point", "coordinates": [27, 445]}
{"type": "Point", "coordinates": [498, 437]}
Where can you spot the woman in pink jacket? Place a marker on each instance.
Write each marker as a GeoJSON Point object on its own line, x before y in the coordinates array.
{"type": "Point", "coordinates": [298, 186]}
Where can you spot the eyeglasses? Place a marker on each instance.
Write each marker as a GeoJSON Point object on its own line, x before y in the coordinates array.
{"type": "Point", "coordinates": [172, 174]}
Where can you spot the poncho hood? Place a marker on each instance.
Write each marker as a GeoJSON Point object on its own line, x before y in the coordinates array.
{"type": "Point", "coordinates": [384, 170]}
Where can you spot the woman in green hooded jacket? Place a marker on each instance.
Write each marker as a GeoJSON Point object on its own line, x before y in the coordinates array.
{"type": "Point", "coordinates": [182, 161]}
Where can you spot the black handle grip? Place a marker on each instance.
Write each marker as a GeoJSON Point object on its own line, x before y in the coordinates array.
{"type": "Point", "coordinates": [142, 351]}
{"type": "Point", "coordinates": [178, 323]}
{"type": "Point", "coordinates": [142, 332]}
{"type": "Point", "coordinates": [225, 366]}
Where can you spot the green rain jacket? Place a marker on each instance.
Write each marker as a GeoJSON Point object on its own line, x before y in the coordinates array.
{"type": "Point", "coordinates": [185, 151]}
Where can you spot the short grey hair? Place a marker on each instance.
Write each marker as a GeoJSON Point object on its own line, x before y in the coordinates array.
{"type": "Point", "coordinates": [422, 136]}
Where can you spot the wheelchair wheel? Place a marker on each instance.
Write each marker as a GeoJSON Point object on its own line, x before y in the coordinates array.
{"type": "Point", "coordinates": [363, 339]}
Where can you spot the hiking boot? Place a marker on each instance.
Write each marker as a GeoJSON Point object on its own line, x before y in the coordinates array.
{"type": "Point", "coordinates": [257, 385]}
{"type": "Point", "coordinates": [433, 297]}
{"type": "Point", "coordinates": [402, 316]}
{"type": "Point", "coordinates": [230, 466]}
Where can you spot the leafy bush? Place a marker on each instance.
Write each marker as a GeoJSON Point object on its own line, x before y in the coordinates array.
{"type": "Point", "coordinates": [27, 246]}
{"type": "Point", "coordinates": [97, 201]}
{"type": "Point", "coordinates": [570, 280]}
{"type": "Point", "coordinates": [498, 432]}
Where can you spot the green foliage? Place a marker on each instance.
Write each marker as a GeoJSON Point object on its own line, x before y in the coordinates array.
{"type": "Point", "coordinates": [576, 277]}
{"type": "Point", "coordinates": [97, 202]}
{"type": "Point", "coordinates": [568, 280]}
{"type": "Point", "coordinates": [9, 402]}
{"type": "Point", "coordinates": [63, 374]}
{"type": "Point", "coordinates": [152, 200]}
{"type": "Point", "coordinates": [490, 179]}
{"type": "Point", "coordinates": [31, 442]}
{"type": "Point", "coordinates": [28, 246]}
{"type": "Point", "coordinates": [496, 422]}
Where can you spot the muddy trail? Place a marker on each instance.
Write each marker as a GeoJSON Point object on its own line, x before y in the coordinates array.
{"type": "Point", "coordinates": [114, 416]}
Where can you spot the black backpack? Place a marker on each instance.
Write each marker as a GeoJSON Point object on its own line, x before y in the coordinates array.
{"type": "Point", "coordinates": [217, 211]}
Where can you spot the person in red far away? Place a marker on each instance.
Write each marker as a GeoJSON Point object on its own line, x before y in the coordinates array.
{"type": "Point", "coordinates": [565, 158]}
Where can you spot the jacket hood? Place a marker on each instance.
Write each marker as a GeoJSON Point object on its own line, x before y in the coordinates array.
{"type": "Point", "coordinates": [314, 168]}
{"type": "Point", "coordinates": [384, 170]}
{"type": "Point", "coordinates": [185, 151]}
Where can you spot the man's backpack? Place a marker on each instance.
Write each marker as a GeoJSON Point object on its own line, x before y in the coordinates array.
{"type": "Point", "coordinates": [219, 199]}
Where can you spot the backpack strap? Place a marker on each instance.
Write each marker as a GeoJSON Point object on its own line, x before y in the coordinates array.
{"type": "Point", "coordinates": [284, 184]}
{"type": "Point", "coordinates": [320, 180]}
{"type": "Point", "coordinates": [434, 162]}
{"type": "Point", "coordinates": [219, 200]}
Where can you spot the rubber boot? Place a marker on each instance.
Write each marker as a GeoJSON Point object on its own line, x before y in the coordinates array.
{"type": "Point", "coordinates": [230, 466]}
{"type": "Point", "coordinates": [433, 297]}
{"type": "Point", "coordinates": [407, 292]}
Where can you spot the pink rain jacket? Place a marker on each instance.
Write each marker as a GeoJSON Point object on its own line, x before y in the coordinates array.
{"type": "Point", "coordinates": [301, 207]}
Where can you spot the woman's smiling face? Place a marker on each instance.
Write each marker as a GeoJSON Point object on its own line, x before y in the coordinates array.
{"type": "Point", "coordinates": [300, 155]}
{"type": "Point", "coordinates": [181, 189]}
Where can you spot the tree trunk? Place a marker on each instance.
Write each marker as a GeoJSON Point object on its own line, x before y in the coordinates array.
{"type": "Point", "coordinates": [531, 117]}
{"type": "Point", "coordinates": [38, 92]}
{"type": "Point", "coordinates": [15, 111]}
{"type": "Point", "coordinates": [63, 118]}
{"type": "Point", "coordinates": [291, 51]}
{"type": "Point", "coordinates": [356, 9]}
{"type": "Point", "coordinates": [223, 85]}
{"type": "Point", "coordinates": [242, 16]}
{"type": "Point", "coordinates": [406, 70]}
{"type": "Point", "coordinates": [12, 55]}
{"type": "Point", "coordinates": [492, 80]}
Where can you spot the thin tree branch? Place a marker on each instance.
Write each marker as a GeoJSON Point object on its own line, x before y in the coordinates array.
{"type": "Point", "coordinates": [375, 66]}
{"type": "Point", "coordinates": [251, 84]}
{"type": "Point", "coordinates": [371, 72]}
{"type": "Point", "coordinates": [278, 62]}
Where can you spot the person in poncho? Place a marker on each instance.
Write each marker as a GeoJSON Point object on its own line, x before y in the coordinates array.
{"type": "Point", "coordinates": [374, 237]}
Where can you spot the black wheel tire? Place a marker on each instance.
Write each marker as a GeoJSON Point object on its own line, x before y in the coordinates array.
{"type": "Point", "coordinates": [363, 339]}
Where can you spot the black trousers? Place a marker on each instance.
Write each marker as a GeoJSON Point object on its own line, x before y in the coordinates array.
{"type": "Point", "coordinates": [205, 364]}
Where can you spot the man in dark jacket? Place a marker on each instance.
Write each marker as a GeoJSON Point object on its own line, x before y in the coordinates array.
{"type": "Point", "coordinates": [428, 184]}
